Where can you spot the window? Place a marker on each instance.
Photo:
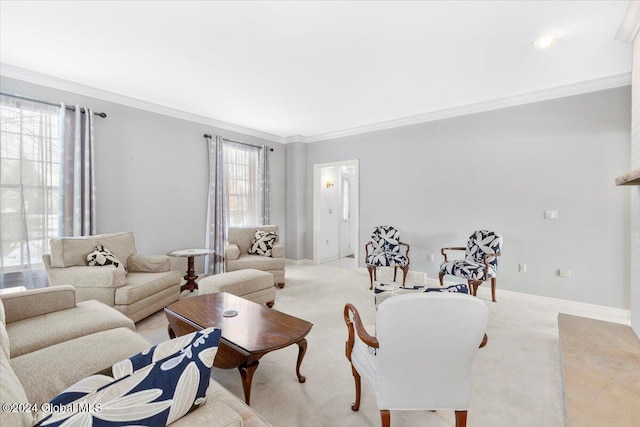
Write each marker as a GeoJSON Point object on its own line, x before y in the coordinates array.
{"type": "Point", "coordinates": [241, 174]}
{"type": "Point", "coordinates": [345, 200]}
{"type": "Point", "coordinates": [29, 180]}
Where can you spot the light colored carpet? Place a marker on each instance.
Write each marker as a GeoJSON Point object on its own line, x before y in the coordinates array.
{"type": "Point", "coordinates": [517, 377]}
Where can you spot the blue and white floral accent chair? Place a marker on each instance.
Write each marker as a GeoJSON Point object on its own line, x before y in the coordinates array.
{"type": "Point", "coordinates": [384, 251]}
{"type": "Point", "coordinates": [480, 262]}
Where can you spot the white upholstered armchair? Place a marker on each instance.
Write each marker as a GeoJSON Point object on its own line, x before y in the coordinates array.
{"type": "Point", "coordinates": [421, 356]}
{"type": "Point", "coordinates": [146, 285]}
{"type": "Point", "coordinates": [237, 256]}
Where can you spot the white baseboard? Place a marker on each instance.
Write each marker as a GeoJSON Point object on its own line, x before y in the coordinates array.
{"type": "Point", "coordinates": [298, 261]}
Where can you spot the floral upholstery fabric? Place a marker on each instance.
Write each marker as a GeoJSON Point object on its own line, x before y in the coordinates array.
{"type": "Point", "coordinates": [472, 267]}
{"type": "Point", "coordinates": [385, 241]}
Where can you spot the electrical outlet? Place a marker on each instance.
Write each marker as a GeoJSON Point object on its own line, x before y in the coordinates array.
{"type": "Point", "coordinates": [564, 273]}
{"type": "Point", "coordinates": [550, 214]}
{"type": "Point", "coordinates": [522, 268]}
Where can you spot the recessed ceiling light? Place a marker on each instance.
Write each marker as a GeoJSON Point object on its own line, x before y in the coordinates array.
{"type": "Point", "coordinates": [544, 41]}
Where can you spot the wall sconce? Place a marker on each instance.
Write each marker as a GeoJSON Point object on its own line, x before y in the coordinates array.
{"type": "Point", "coordinates": [329, 183]}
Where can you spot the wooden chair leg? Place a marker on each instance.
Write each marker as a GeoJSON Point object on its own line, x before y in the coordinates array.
{"type": "Point", "coordinates": [493, 289]}
{"type": "Point", "coordinates": [395, 270]}
{"type": "Point", "coordinates": [385, 415]}
{"type": "Point", "coordinates": [441, 276]}
{"type": "Point", "coordinates": [461, 418]}
{"type": "Point", "coordinates": [372, 272]}
{"type": "Point", "coordinates": [405, 271]}
{"type": "Point", "coordinates": [356, 378]}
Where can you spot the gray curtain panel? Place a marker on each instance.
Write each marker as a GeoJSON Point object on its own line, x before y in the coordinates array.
{"type": "Point", "coordinates": [216, 209]}
{"type": "Point", "coordinates": [264, 176]}
{"type": "Point", "coordinates": [223, 154]}
{"type": "Point", "coordinates": [76, 206]}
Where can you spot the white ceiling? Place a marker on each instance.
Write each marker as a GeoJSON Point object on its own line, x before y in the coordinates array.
{"type": "Point", "coordinates": [314, 68]}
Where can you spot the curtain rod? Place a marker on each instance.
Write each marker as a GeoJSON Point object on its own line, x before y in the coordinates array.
{"type": "Point", "coordinates": [71, 108]}
{"type": "Point", "coordinates": [207, 136]}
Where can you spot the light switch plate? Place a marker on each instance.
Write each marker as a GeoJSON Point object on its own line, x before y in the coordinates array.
{"type": "Point", "coordinates": [550, 214]}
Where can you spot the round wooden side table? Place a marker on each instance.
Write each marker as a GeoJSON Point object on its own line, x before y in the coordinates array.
{"type": "Point", "coordinates": [191, 276]}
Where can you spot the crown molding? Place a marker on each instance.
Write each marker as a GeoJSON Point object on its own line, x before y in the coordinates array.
{"type": "Point", "coordinates": [34, 77]}
{"type": "Point", "coordinates": [495, 104]}
{"type": "Point", "coordinates": [630, 25]}
{"type": "Point", "coordinates": [587, 86]}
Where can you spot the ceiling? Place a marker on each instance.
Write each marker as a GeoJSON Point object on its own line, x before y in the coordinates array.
{"type": "Point", "coordinates": [315, 68]}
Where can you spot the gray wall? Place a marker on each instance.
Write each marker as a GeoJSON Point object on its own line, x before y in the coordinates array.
{"type": "Point", "coordinates": [152, 172]}
{"type": "Point", "coordinates": [296, 213]}
{"type": "Point", "coordinates": [499, 170]}
{"type": "Point", "coordinates": [635, 193]}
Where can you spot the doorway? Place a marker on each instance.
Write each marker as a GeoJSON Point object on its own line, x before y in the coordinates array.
{"type": "Point", "coordinates": [335, 213]}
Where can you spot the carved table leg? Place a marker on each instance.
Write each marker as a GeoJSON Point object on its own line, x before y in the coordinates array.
{"type": "Point", "coordinates": [246, 372]}
{"type": "Point", "coordinates": [302, 349]}
{"type": "Point", "coordinates": [191, 276]}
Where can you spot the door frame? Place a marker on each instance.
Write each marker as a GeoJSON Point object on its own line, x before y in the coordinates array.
{"type": "Point", "coordinates": [316, 205]}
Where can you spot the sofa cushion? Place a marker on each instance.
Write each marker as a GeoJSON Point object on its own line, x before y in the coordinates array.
{"type": "Point", "coordinates": [156, 393]}
{"type": "Point", "coordinates": [255, 261]}
{"type": "Point", "coordinates": [207, 415]}
{"type": "Point", "coordinates": [263, 242]}
{"type": "Point", "coordinates": [4, 341]}
{"type": "Point", "coordinates": [4, 337]}
{"type": "Point", "coordinates": [149, 263]}
{"type": "Point", "coordinates": [47, 372]}
{"type": "Point", "coordinates": [49, 329]}
{"type": "Point", "coordinates": [102, 256]}
{"type": "Point", "coordinates": [72, 251]}
{"type": "Point", "coordinates": [12, 392]}
{"type": "Point", "coordinates": [140, 285]}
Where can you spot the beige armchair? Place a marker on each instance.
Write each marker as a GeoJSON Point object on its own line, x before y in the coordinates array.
{"type": "Point", "coordinates": [148, 284]}
{"type": "Point", "coordinates": [237, 256]}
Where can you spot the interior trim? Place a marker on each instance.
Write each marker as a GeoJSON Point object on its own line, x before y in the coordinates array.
{"type": "Point", "coordinates": [586, 86]}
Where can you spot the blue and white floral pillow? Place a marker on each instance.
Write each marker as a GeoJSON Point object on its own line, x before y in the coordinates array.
{"type": "Point", "coordinates": [156, 392]}
{"type": "Point", "coordinates": [460, 288]}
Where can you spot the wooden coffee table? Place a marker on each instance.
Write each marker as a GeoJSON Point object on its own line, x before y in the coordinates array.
{"type": "Point", "coordinates": [255, 331]}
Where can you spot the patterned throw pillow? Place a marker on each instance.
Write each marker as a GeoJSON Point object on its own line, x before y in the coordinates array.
{"type": "Point", "coordinates": [460, 288]}
{"type": "Point", "coordinates": [102, 256]}
{"type": "Point", "coordinates": [158, 393]}
{"type": "Point", "coordinates": [263, 242]}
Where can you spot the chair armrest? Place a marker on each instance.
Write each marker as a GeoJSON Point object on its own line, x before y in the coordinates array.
{"type": "Point", "coordinates": [149, 263]}
{"type": "Point", "coordinates": [408, 247]}
{"type": "Point", "coordinates": [231, 251]}
{"type": "Point", "coordinates": [485, 339]}
{"type": "Point", "coordinates": [87, 277]}
{"type": "Point", "coordinates": [36, 302]}
{"type": "Point", "coordinates": [454, 248]}
{"type": "Point", "coordinates": [277, 251]}
{"type": "Point", "coordinates": [366, 249]}
{"type": "Point", "coordinates": [371, 341]}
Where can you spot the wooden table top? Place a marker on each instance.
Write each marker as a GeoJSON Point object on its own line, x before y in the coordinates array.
{"type": "Point", "coordinates": [256, 328]}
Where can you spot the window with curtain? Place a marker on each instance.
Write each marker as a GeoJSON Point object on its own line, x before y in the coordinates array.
{"type": "Point", "coordinates": [238, 193]}
{"type": "Point", "coordinates": [242, 184]}
{"type": "Point", "coordinates": [29, 188]}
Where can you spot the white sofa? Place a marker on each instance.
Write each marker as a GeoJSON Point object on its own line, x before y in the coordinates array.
{"type": "Point", "coordinates": [48, 342]}
{"type": "Point", "coordinates": [237, 256]}
{"type": "Point", "coordinates": [148, 284]}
